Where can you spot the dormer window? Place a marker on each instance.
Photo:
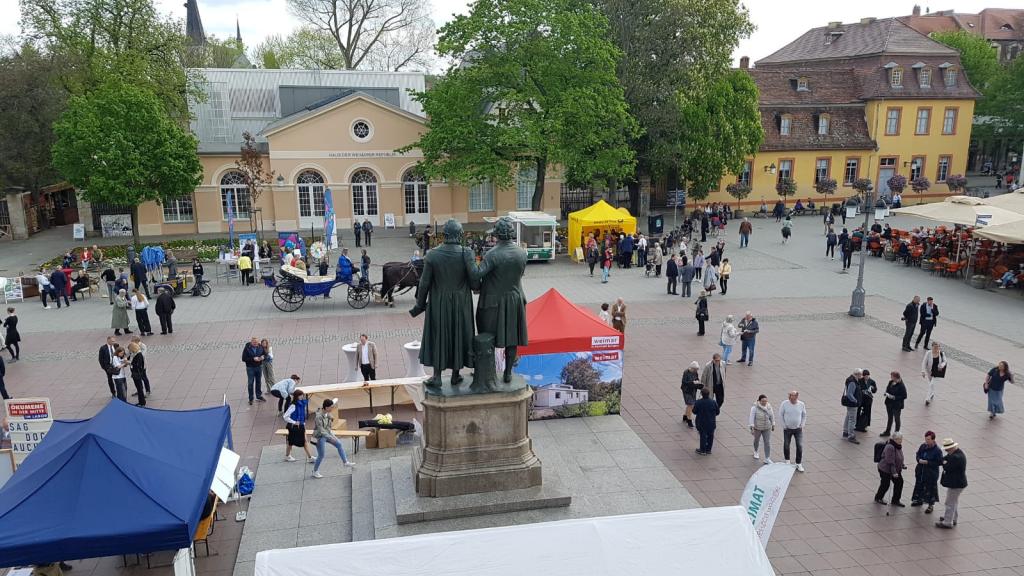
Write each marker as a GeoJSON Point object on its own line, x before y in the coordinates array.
{"type": "Point", "coordinates": [896, 77]}
{"type": "Point", "coordinates": [823, 122]}
{"type": "Point", "coordinates": [1006, 27]}
{"type": "Point", "coordinates": [925, 77]}
{"type": "Point", "coordinates": [785, 124]}
{"type": "Point", "coordinates": [801, 84]}
{"type": "Point", "coordinates": [949, 76]}
{"type": "Point", "coordinates": [833, 36]}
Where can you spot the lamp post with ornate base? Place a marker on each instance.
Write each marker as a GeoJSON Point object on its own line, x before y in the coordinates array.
{"type": "Point", "coordinates": [857, 300]}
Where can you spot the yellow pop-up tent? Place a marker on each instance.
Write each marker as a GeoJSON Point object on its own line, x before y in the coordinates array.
{"type": "Point", "coordinates": [598, 217]}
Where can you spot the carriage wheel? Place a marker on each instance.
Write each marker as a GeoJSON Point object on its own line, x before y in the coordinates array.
{"type": "Point", "coordinates": [358, 297]}
{"type": "Point", "coordinates": [286, 299]}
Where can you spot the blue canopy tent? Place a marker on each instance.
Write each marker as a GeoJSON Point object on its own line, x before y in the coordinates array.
{"type": "Point", "coordinates": [129, 480]}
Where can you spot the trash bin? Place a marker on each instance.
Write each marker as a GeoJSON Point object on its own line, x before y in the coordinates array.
{"type": "Point", "coordinates": [655, 224]}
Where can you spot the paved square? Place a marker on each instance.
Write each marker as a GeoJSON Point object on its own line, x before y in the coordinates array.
{"type": "Point", "coordinates": [828, 525]}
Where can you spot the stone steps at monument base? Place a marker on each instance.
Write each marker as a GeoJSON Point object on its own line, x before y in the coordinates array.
{"type": "Point", "coordinates": [384, 517]}
{"type": "Point", "coordinates": [362, 503]}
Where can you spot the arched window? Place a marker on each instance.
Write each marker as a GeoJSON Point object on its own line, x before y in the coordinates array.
{"type": "Point", "coordinates": [364, 193]}
{"type": "Point", "coordinates": [234, 193]}
{"type": "Point", "coordinates": [417, 194]}
{"type": "Point", "coordinates": [311, 194]}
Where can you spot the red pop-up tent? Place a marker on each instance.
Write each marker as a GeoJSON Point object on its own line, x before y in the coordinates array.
{"type": "Point", "coordinates": [557, 325]}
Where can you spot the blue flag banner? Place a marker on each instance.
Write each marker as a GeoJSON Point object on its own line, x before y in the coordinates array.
{"type": "Point", "coordinates": [330, 232]}
{"type": "Point", "coordinates": [231, 220]}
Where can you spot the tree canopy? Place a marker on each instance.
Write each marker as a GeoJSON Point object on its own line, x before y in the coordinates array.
{"type": "Point", "coordinates": [534, 83]}
{"type": "Point", "coordinates": [118, 145]}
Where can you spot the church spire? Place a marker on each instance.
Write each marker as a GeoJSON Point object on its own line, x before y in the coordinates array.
{"type": "Point", "coordinates": [238, 31]}
{"type": "Point", "coordinates": [194, 24]}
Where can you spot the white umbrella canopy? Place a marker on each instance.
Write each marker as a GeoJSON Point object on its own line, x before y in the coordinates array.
{"type": "Point", "coordinates": [1013, 201]}
{"type": "Point", "coordinates": [1011, 233]}
{"type": "Point", "coordinates": [963, 210]}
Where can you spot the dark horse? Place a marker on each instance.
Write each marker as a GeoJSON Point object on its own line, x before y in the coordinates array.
{"type": "Point", "coordinates": [401, 275]}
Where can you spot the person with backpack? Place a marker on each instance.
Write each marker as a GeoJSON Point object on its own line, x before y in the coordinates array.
{"type": "Point", "coordinates": [846, 249]}
{"type": "Point", "coordinates": [851, 400]}
{"type": "Point", "coordinates": [829, 219]}
{"type": "Point", "coordinates": [830, 243]}
{"type": "Point", "coordinates": [890, 469]}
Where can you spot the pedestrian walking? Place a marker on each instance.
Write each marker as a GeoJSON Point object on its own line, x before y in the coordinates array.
{"type": "Point", "coordinates": [793, 416]}
{"type": "Point", "coordinates": [671, 275]}
{"type": "Point", "coordinates": [933, 367]}
{"type": "Point", "coordinates": [994, 384]}
{"type": "Point", "coordinates": [283, 392]}
{"type": "Point", "coordinates": [705, 412]}
{"type": "Point", "coordinates": [364, 266]}
{"type": "Point", "coordinates": [357, 231]}
{"type": "Point", "coordinates": [267, 366]}
{"type": "Point", "coordinates": [323, 433]}
{"type": "Point", "coordinates": [778, 211]}
{"type": "Point", "coordinates": [895, 396]}
{"type": "Point", "coordinates": [748, 328]}
{"type": "Point", "coordinates": [702, 312]}
{"type": "Point", "coordinates": [787, 228]}
{"type": "Point", "coordinates": [846, 249]}
{"type": "Point", "coordinates": [45, 288]}
{"type": "Point", "coordinates": [910, 321]}
{"type": "Point", "coordinates": [164, 309]}
{"type": "Point", "coordinates": [138, 270]}
{"type": "Point", "coordinates": [119, 314]}
{"type": "Point", "coordinates": [890, 471]}
{"type": "Point", "coordinates": [606, 265]}
{"type": "Point", "coordinates": [593, 255]}
{"type": "Point", "coordinates": [710, 279]}
{"type": "Point", "coordinates": [295, 423]}
{"type": "Point", "coordinates": [691, 387]}
{"type": "Point", "coordinates": [724, 271]}
{"type": "Point", "coordinates": [59, 281]}
{"type": "Point", "coordinates": [746, 229]}
{"type": "Point", "coordinates": [830, 243]}
{"type": "Point", "coordinates": [851, 400]}
{"type": "Point", "coordinates": [109, 277]}
{"type": "Point", "coordinates": [954, 479]}
{"type": "Point", "coordinates": [713, 378]}
{"type": "Point", "coordinates": [137, 360]}
{"type": "Point", "coordinates": [605, 316]}
{"type": "Point", "coordinates": [926, 473]}
{"type": "Point", "coordinates": [686, 275]}
{"type": "Point", "coordinates": [928, 317]}
{"type": "Point", "coordinates": [762, 424]}
{"type": "Point", "coordinates": [367, 232]}
{"type": "Point", "coordinates": [253, 356]}
{"type": "Point", "coordinates": [656, 258]}
{"type": "Point", "coordinates": [704, 226]}
{"type": "Point", "coordinates": [829, 219]}
{"type": "Point", "coordinates": [12, 338]}
{"type": "Point", "coordinates": [106, 359]}
{"type": "Point", "coordinates": [868, 389]}
{"type": "Point", "coordinates": [730, 335]}
{"type": "Point", "coordinates": [698, 263]}
{"type": "Point", "coordinates": [366, 352]}
{"type": "Point", "coordinates": [619, 315]}
{"type": "Point", "coordinates": [140, 304]}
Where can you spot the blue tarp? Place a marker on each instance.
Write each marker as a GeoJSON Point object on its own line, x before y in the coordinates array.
{"type": "Point", "coordinates": [129, 480]}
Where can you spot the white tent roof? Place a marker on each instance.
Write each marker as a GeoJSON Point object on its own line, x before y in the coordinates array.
{"type": "Point", "coordinates": [719, 541]}
{"type": "Point", "coordinates": [963, 210]}
{"type": "Point", "coordinates": [1012, 233]}
{"type": "Point", "coordinates": [1013, 201]}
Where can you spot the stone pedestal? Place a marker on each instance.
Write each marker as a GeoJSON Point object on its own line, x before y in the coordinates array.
{"type": "Point", "coordinates": [476, 443]}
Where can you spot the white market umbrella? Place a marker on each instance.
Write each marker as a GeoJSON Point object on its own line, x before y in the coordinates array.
{"type": "Point", "coordinates": [962, 210]}
{"type": "Point", "coordinates": [1011, 233]}
{"type": "Point", "coordinates": [1013, 201]}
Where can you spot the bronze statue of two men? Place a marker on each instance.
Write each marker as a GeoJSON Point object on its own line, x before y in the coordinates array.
{"type": "Point", "coordinates": [449, 276]}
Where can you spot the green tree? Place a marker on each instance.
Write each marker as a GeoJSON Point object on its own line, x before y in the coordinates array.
{"type": "Point", "coordinates": [127, 41]}
{"type": "Point", "coordinates": [978, 57]}
{"type": "Point", "coordinates": [721, 128]}
{"type": "Point", "coordinates": [1004, 100]}
{"type": "Point", "coordinates": [32, 99]}
{"type": "Point", "coordinates": [739, 191]}
{"type": "Point", "coordinates": [580, 374]}
{"type": "Point", "coordinates": [118, 145]}
{"type": "Point", "coordinates": [672, 52]}
{"type": "Point", "coordinates": [534, 84]}
{"type": "Point", "coordinates": [305, 48]}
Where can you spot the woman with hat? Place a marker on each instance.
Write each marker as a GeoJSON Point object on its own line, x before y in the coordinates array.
{"type": "Point", "coordinates": [702, 312]}
{"type": "Point", "coordinates": [994, 384]}
{"type": "Point", "coordinates": [323, 433]}
{"type": "Point", "coordinates": [926, 473]}
{"type": "Point", "coordinates": [954, 478]}
{"type": "Point", "coordinates": [691, 384]}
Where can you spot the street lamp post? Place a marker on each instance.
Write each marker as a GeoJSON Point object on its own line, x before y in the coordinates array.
{"type": "Point", "coordinates": [857, 301]}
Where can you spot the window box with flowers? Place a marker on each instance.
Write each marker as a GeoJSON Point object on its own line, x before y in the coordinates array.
{"type": "Point", "coordinates": [920, 185]}
{"type": "Point", "coordinates": [957, 183]}
{"type": "Point", "coordinates": [739, 191]}
{"type": "Point", "coordinates": [785, 187]}
{"type": "Point", "coordinates": [897, 184]}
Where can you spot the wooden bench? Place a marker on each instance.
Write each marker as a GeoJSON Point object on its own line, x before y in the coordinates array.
{"type": "Point", "coordinates": [355, 435]}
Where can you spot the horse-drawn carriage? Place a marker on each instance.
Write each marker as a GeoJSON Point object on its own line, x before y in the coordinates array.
{"type": "Point", "coordinates": [295, 286]}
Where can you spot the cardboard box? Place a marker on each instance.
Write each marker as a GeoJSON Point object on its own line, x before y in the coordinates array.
{"type": "Point", "coordinates": [382, 438]}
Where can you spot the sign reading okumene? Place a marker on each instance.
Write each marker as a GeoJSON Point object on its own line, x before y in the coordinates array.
{"type": "Point", "coordinates": [28, 422]}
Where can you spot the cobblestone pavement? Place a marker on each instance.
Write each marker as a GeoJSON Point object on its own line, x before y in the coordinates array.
{"type": "Point", "coordinates": [828, 524]}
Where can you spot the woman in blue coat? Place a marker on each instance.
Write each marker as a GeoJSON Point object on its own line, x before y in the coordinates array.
{"type": "Point", "coordinates": [926, 474]}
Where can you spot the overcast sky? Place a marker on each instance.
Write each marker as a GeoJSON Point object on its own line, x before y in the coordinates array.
{"type": "Point", "coordinates": [777, 22]}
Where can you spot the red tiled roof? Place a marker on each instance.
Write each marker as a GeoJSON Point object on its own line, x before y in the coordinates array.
{"type": "Point", "coordinates": [831, 86]}
{"type": "Point", "coordinates": [990, 23]}
{"type": "Point", "coordinates": [847, 129]}
{"type": "Point", "coordinates": [855, 41]}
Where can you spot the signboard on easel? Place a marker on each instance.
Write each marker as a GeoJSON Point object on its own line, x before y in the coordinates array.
{"type": "Point", "coordinates": [28, 422]}
{"type": "Point", "coordinates": [389, 220]}
{"type": "Point", "coordinates": [12, 289]}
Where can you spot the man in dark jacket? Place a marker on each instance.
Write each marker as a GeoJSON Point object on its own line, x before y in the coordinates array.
{"type": "Point", "coordinates": [748, 338]}
{"type": "Point", "coordinates": [367, 231]}
{"type": "Point", "coordinates": [895, 397]}
{"type": "Point", "coordinates": [954, 478]}
{"type": "Point", "coordinates": [686, 273]}
{"type": "Point", "coordinates": [139, 275]}
{"type": "Point", "coordinates": [164, 309]}
{"type": "Point", "coordinates": [868, 389]}
{"type": "Point", "coordinates": [357, 230]}
{"type": "Point", "coordinates": [672, 272]}
{"type": "Point", "coordinates": [910, 321]}
{"type": "Point", "coordinates": [59, 281]}
{"type": "Point", "coordinates": [705, 412]}
{"type": "Point", "coordinates": [106, 363]}
{"type": "Point", "coordinates": [928, 317]}
{"type": "Point", "coordinates": [109, 277]}
{"type": "Point", "coordinates": [253, 356]}
{"type": "Point", "coordinates": [705, 225]}
{"type": "Point", "coordinates": [851, 400]}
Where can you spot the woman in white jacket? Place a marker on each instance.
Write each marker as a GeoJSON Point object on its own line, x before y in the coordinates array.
{"type": "Point", "coordinates": [933, 366]}
{"type": "Point", "coordinates": [730, 336]}
{"type": "Point", "coordinates": [762, 423]}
